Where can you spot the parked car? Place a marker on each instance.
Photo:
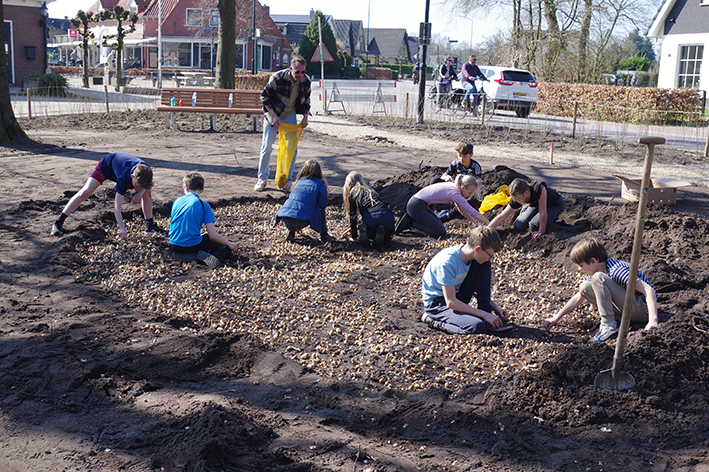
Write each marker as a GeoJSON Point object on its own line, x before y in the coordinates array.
{"type": "Point", "coordinates": [510, 89]}
{"type": "Point", "coordinates": [612, 79]}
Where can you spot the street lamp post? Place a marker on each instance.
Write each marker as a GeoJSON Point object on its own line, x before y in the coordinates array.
{"type": "Point", "coordinates": [44, 12]}
{"type": "Point", "coordinates": [471, 33]}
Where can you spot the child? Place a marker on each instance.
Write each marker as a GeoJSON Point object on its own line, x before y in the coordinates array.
{"type": "Point", "coordinates": [377, 219]}
{"type": "Point", "coordinates": [189, 213]}
{"type": "Point", "coordinates": [128, 172]}
{"type": "Point", "coordinates": [453, 277]}
{"type": "Point", "coordinates": [306, 203]}
{"type": "Point", "coordinates": [605, 289]}
{"type": "Point", "coordinates": [420, 216]}
{"type": "Point", "coordinates": [542, 206]}
{"type": "Point", "coordinates": [463, 165]}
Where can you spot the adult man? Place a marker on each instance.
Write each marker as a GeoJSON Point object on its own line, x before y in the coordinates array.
{"type": "Point", "coordinates": [286, 94]}
{"type": "Point", "coordinates": [470, 72]}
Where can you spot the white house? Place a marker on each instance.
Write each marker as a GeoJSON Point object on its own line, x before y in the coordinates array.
{"type": "Point", "coordinates": [683, 26]}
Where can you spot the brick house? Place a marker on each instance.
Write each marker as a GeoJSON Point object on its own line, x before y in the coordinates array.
{"type": "Point", "coordinates": [190, 34]}
{"type": "Point", "coordinates": [25, 39]}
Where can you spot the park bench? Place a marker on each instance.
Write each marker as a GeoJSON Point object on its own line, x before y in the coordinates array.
{"type": "Point", "coordinates": [212, 102]}
{"type": "Point", "coordinates": [377, 92]}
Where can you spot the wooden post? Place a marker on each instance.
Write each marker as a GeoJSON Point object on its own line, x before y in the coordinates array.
{"type": "Point", "coordinates": [29, 103]}
{"type": "Point", "coordinates": [324, 99]}
{"type": "Point", "coordinates": [105, 91]}
{"type": "Point", "coordinates": [482, 115]}
{"type": "Point", "coordinates": [706, 146]}
{"type": "Point", "coordinates": [573, 125]}
{"type": "Point", "coordinates": [406, 107]}
{"type": "Point", "coordinates": [551, 154]}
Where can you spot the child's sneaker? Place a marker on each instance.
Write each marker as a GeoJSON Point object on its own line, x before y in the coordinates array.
{"type": "Point", "coordinates": [57, 229]}
{"type": "Point", "coordinates": [606, 331]}
{"type": "Point", "coordinates": [152, 228]}
{"type": "Point", "coordinates": [378, 241]}
{"type": "Point", "coordinates": [260, 185]}
{"type": "Point", "coordinates": [211, 261]}
{"type": "Point", "coordinates": [363, 238]}
{"type": "Point", "coordinates": [426, 319]}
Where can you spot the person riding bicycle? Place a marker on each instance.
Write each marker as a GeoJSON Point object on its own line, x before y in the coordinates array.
{"type": "Point", "coordinates": [446, 74]}
{"type": "Point", "coordinates": [470, 72]}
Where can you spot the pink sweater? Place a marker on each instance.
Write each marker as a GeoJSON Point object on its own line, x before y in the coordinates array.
{"type": "Point", "coordinates": [445, 192]}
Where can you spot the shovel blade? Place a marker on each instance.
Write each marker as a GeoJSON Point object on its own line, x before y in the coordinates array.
{"type": "Point", "coordinates": [623, 381]}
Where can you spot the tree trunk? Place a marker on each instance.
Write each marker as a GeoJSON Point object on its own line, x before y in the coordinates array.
{"type": "Point", "coordinates": [10, 127]}
{"type": "Point", "coordinates": [226, 46]}
{"type": "Point", "coordinates": [555, 41]}
{"type": "Point", "coordinates": [85, 65]}
{"type": "Point", "coordinates": [516, 31]}
{"type": "Point", "coordinates": [582, 69]}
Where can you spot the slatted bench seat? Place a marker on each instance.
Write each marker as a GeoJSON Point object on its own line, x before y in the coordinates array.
{"type": "Point", "coordinates": [212, 102]}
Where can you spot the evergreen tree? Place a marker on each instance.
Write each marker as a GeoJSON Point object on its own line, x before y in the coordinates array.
{"type": "Point", "coordinates": [310, 41]}
{"type": "Point", "coordinates": [642, 45]}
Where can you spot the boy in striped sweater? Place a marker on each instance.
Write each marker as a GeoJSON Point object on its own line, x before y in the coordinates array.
{"type": "Point", "coordinates": [605, 289]}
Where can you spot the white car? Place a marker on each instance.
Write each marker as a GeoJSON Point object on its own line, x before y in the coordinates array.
{"type": "Point", "coordinates": [510, 89]}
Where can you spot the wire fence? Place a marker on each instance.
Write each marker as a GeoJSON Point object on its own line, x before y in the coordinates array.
{"type": "Point", "coordinates": [688, 131]}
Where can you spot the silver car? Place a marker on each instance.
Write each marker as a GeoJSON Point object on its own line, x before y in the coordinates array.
{"type": "Point", "coordinates": [510, 89]}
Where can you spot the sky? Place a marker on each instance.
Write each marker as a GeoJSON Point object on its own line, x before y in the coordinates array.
{"type": "Point", "coordinates": [377, 14]}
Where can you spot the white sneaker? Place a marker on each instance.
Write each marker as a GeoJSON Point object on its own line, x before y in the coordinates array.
{"type": "Point", "coordinates": [605, 331]}
{"type": "Point", "coordinates": [260, 185]}
{"type": "Point", "coordinates": [288, 187]}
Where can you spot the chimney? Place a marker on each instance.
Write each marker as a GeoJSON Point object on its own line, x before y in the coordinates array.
{"type": "Point", "coordinates": [268, 9]}
{"type": "Point", "coordinates": [312, 13]}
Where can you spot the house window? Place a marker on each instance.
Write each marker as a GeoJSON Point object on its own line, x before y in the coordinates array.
{"type": "Point", "coordinates": [266, 57]}
{"type": "Point", "coordinates": [690, 65]}
{"type": "Point", "coordinates": [193, 17]}
{"type": "Point", "coordinates": [177, 54]}
{"type": "Point", "coordinates": [239, 56]}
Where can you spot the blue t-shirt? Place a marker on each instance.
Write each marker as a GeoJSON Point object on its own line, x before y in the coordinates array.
{"type": "Point", "coordinates": [189, 213]}
{"type": "Point", "coordinates": [118, 167]}
{"type": "Point", "coordinates": [446, 268]}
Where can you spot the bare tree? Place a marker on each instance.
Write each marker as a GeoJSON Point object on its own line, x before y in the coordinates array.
{"type": "Point", "coordinates": [11, 129]}
{"type": "Point", "coordinates": [125, 24]}
{"type": "Point", "coordinates": [81, 23]}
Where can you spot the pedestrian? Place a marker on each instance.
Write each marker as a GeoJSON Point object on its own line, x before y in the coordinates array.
{"type": "Point", "coordinates": [129, 172]}
{"type": "Point", "coordinates": [306, 203]}
{"type": "Point", "coordinates": [286, 95]}
{"type": "Point", "coordinates": [605, 288]}
{"type": "Point", "coordinates": [377, 224]}
{"type": "Point", "coordinates": [457, 274]}
{"type": "Point", "coordinates": [189, 213]}
{"type": "Point", "coordinates": [541, 206]}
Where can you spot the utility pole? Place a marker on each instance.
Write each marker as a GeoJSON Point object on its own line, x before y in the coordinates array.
{"type": "Point", "coordinates": [159, 45]}
{"type": "Point", "coordinates": [425, 38]}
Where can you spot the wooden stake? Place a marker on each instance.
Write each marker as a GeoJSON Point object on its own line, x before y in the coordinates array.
{"type": "Point", "coordinates": [573, 126]}
{"type": "Point", "coordinates": [29, 103]}
{"type": "Point", "coordinates": [551, 154]}
{"type": "Point", "coordinates": [105, 91]}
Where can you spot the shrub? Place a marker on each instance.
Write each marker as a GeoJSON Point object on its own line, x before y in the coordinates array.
{"type": "Point", "coordinates": [53, 85]}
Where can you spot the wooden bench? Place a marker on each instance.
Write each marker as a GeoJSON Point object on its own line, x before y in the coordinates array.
{"type": "Point", "coordinates": [372, 91]}
{"type": "Point", "coordinates": [212, 102]}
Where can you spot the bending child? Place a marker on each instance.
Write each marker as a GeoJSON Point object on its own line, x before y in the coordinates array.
{"type": "Point", "coordinates": [189, 214]}
{"type": "Point", "coordinates": [463, 165]}
{"type": "Point", "coordinates": [541, 206]}
{"type": "Point", "coordinates": [129, 172]}
{"type": "Point", "coordinates": [377, 218]}
{"type": "Point", "coordinates": [453, 277]}
{"type": "Point", "coordinates": [306, 203]}
{"type": "Point", "coordinates": [605, 289]}
{"type": "Point", "coordinates": [420, 216]}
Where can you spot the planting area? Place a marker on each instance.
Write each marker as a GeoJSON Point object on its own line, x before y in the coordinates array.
{"type": "Point", "coordinates": [311, 357]}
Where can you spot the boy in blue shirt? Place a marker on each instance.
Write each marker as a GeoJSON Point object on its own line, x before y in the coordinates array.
{"type": "Point", "coordinates": [605, 289]}
{"type": "Point", "coordinates": [129, 172]}
{"type": "Point", "coordinates": [188, 214]}
{"type": "Point", "coordinates": [453, 277]}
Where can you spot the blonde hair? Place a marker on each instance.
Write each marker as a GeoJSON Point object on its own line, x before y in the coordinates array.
{"type": "Point", "coordinates": [468, 181]}
{"type": "Point", "coordinates": [354, 184]}
{"type": "Point", "coordinates": [485, 237]}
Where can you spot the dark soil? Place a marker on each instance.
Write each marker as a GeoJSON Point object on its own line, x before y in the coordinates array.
{"type": "Point", "coordinates": [311, 357]}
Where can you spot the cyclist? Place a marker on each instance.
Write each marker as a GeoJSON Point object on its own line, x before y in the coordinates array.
{"type": "Point", "coordinates": [470, 72]}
